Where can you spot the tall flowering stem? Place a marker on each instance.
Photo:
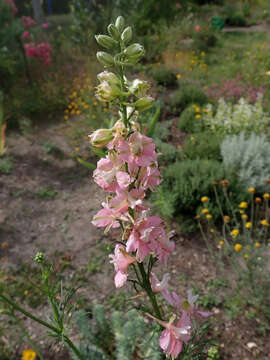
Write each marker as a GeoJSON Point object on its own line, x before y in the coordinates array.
{"type": "Point", "coordinates": [128, 171]}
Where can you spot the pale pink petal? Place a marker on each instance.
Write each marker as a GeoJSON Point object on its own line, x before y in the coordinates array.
{"type": "Point", "coordinates": [120, 279]}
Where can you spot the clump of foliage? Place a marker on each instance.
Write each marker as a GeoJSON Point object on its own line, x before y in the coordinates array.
{"type": "Point", "coordinates": [234, 16]}
{"type": "Point", "coordinates": [190, 121]}
{"type": "Point", "coordinates": [186, 95]}
{"type": "Point", "coordinates": [204, 39]}
{"type": "Point", "coordinates": [234, 89]}
{"type": "Point", "coordinates": [248, 157]}
{"type": "Point", "coordinates": [204, 145]}
{"type": "Point", "coordinates": [163, 75]}
{"type": "Point", "coordinates": [6, 165]}
{"type": "Point", "coordinates": [121, 337]}
{"type": "Point", "coordinates": [234, 118]}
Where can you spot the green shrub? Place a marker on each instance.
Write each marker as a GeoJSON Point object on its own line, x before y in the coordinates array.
{"type": "Point", "coordinates": [185, 96]}
{"type": "Point", "coordinates": [188, 121]}
{"type": "Point", "coordinates": [121, 337]}
{"type": "Point", "coordinates": [169, 153]}
{"type": "Point", "coordinates": [205, 145]}
{"type": "Point", "coordinates": [204, 39]}
{"type": "Point", "coordinates": [248, 158]}
{"type": "Point", "coordinates": [233, 16]}
{"type": "Point", "coordinates": [186, 182]}
{"type": "Point", "coordinates": [163, 75]}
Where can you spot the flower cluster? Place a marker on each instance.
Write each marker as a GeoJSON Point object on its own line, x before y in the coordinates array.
{"type": "Point", "coordinates": [28, 22]}
{"type": "Point", "coordinates": [41, 51]}
{"type": "Point", "coordinates": [128, 171]}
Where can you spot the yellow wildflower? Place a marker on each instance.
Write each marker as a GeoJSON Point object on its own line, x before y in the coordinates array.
{"type": "Point", "coordinates": [243, 205]}
{"type": "Point", "coordinates": [204, 199]}
{"type": "Point", "coordinates": [178, 76]}
{"type": "Point", "coordinates": [66, 117]}
{"type": "Point", "coordinates": [212, 230]}
{"type": "Point", "coordinates": [265, 222]}
{"type": "Point", "coordinates": [29, 354]}
{"type": "Point", "coordinates": [238, 247]}
{"type": "Point", "coordinates": [221, 243]}
{"type": "Point", "coordinates": [244, 217]}
{"type": "Point", "coordinates": [258, 200]}
{"type": "Point", "coordinates": [205, 211]}
{"type": "Point", "coordinates": [251, 190]}
{"type": "Point", "coordinates": [198, 116]}
{"type": "Point", "coordinates": [245, 256]}
{"type": "Point", "coordinates": [226, 219]}
{"type": "Point", "coordinates": [248, 225]}
{"type": "Point", "coordinates": [266, 196]}
{"type": "Point", "coordinates": [257, 244]}
{"type": "Point", "coordinates": [234, 233]}
{"type": "Point", "coordinates": [208, 216]}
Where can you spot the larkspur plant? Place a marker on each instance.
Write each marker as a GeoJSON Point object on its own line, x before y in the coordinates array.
{"type": "Point", "coordinates": [128, 171]}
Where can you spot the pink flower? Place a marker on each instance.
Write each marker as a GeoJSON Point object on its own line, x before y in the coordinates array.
{"type": "Point", "coordinates": [121, 260]}
{"type": "Point", "coordinates": [106, 217]}
{"type": "Point", "coordinates": [189, 307]}
{"type": "Point", "coordinates": [30, 49]}
{"type": "Point", "coordinates": [173, 299]}
{"type": "Point", "coordinates": [159, 286]}
{"type": "Point", "coordinates": [26, 35]}
{"type": "Point", "coordinates": [105, 173]}
{"type": "Point", "coordinates": [45, 26]}
{"type": "Point", "coordinates": [163, 247]}
{"type": "Point", "coordinates": [197, 28]}
{"type": "Point", "coordinates": [172, 338]}
{"type": "Point", "coordinates": [27, 22]}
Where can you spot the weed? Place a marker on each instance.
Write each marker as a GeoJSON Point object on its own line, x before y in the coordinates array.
{"type": "Point", "coordinates": [6, 165]}
{"type": "Point", "coordinates": [46, 193]}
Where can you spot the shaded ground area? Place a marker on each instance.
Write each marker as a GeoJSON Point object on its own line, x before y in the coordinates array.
{"type": "Point", "coordinates": [47, 203]}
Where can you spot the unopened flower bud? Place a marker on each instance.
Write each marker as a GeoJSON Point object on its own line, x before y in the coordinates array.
{"type": "Point", "coordinates": [138, 87]}
{"type": "Point", "coordinates": [39, 258]}
{"type": "Point", "coordinates": [106, 41]}
{"type": "Point", "coordinates": [134, 51]}
{"type": "Point", "coordinates": [127, 35]}
{"type": "Point", "coordinates": [110, 77]}
{"type": "Point", "coordinates": [120, 23]}
{"type": "Point", "coordinates": [107, 91]}
{"type": "Point", "coordinates": [113, 31]}
{"type": "Point", "coordinates": [101, 137]}
{"type": "Point", "coordinates": [105, 58]}
{"type": "Point", "coordinates": [144, 103]}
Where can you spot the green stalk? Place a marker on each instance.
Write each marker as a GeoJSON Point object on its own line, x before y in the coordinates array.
{"type": "Point", "coordinates": [147, 286]}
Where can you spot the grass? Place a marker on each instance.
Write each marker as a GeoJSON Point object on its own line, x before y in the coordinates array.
{"type": "Point", "coordinates": [46, 193]}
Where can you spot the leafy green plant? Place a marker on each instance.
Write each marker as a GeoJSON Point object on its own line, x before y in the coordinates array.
{"type": "Point", "coordinates": [204, 145]}
{"type": "Point", "coordinates": [249, 158]}
{"type": "Point", "coordinates": [234, 118]}
{"type": "Point", "coordinates": [46, 193]}
{"type": "Point", "coordinates": [120, 337]}
{"type": "Point", "coordinates": [189, 122]}
{"type": "Point", "coordinates": [25, 125]}
{"type": "Point", "coordinates": [187, 94]}
{"type": "Point", "coordinates": [6, 165]}
{"type": "Point", "coordinates": [163, 75]}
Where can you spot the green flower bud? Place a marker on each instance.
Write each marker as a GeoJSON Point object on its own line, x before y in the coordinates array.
{"type": "Point", "coordinates": [127, 35]}
{"type": "Point", "coordinates": [105, 58]}
{"type": "Point", "coordinates": [106, 41]}
{"type": "Point", "coordinates": [101, 137]}
{"type": "Point", "coordinates": [144, 103]}
{"type": "Point", "coordinates": [120, 23]}
{"type": "Point", "coordinates": [134, 52]}
{"type": "Point", "coordinates": [110, 77]}
{"type": "Point", "coordinates": [107, 91]}
{"type": "Point", "coordinates": [113, 31]}
{"type": "Point", "coordinates": [39, 258]}
{"type": "Point", "coordinates": [138, 87]}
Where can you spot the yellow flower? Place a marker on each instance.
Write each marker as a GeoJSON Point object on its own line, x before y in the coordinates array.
{"type": "Point", "coordinates": [205, 211]}
{"type": "Point", "coordinates": [212, 230]}
{"type": "Point", "coordinates": [245, 256]}
{"type": "Point", "coordinates": [221, 243]}
{"type": "Point", "coordinates": [208, 216]}
{"type": "Point", "coordinates": [244, 217]}
{"type": "Point", "coordinates": [192, 138]}
{"type": "Point", "coordinates": [234, 233]}
{"type": "Point", "coordinates": [241, 211]}
{"type": "Point", "coordinates": [178, 76]}
{"type": "Point", "coordinates": [251, 190]}
{"type": "Point", "coordinates": [77, 148]}
{"type": "Point", "coordinates": [265, 222]}
{"type": "Point", "coordinates": [238, 247]}
{"type": "Point", "coordinates": [248, 225]}
{"type": "Point", "coordinates": [243, 205]}
{"type": "Point", "coordinates": [66, 117]}
{"type": "Point", "coordinates": [258, 200]}
{"type": "Point", "coordinates": [257, 244]}
{"type": "Point", "coordinates": [266, 196]}
{"type": "Point", "coordinates": [204, 199]}
{"type": "Point", "coordinates": [198, 116]}
{"type": "Point", "coordinates": [179, 147]}
{"type": "Point", "coordinates": [29, 354]}
{"type": "Point", "coordinates": [226, 219]}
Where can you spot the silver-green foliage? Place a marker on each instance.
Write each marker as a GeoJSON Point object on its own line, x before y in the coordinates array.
{"type": "Point", "coordinates": [123, 337]}
{"type": "Point", "coordinates": [248, 157]}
